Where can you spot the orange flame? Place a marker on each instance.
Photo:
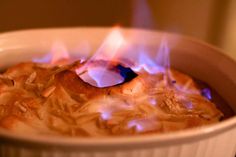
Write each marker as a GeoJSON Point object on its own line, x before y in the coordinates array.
{"type": "Point", "coordinates": [108, 50]}
{"type": "Point", "coordinates": [57, 55]}
{"type": "Point", "coordinates": [101, 76]}
{"type": "Point", "coordinates": [60, 54]}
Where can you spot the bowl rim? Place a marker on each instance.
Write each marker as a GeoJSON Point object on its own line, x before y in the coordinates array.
{"type": "Point", "coordinates": [124, 142]}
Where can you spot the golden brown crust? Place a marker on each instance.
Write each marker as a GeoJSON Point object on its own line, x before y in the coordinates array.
{"type": "Point", "coordinates": [40, 99]}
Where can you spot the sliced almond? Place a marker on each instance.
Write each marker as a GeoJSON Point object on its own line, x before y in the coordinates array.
{"type": "Point", "coordinates": [48, 91]}
{"type": "Point", "coordinates": [31, 78]}
{"type": "Point", "coordinates": [20, 106]}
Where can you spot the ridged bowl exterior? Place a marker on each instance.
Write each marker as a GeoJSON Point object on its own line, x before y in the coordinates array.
{"type": "Point", "coordinates": [221, 145]}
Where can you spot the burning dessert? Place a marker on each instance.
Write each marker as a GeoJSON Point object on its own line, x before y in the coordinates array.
{"type": "Point", "coordinates": [105, 95]}
{"type": "Point", "coordinates": [67, 100]}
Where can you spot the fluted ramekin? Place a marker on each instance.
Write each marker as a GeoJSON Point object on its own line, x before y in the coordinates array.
{"type": "Point", "coordinates": [193, 57]}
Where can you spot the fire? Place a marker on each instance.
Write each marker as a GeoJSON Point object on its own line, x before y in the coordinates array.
{"type": "Point", "coordinates": [116, 48]}
{"type": "Point", "coordinates": [156, 65]}
{"type": "Point", "coordinates": [142, 125]}
{"type": "Point", "coordinates": [108, 50]}
{"type": "Point", "coordinates": [112, 50]}
{"type": "Point", "coordinates": [102, 76]}
{"type": "Point", "coordinates": [58, 55]}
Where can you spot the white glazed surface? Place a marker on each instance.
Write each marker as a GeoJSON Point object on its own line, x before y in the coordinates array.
{"type": "Point", "coordinates": [187, 55]}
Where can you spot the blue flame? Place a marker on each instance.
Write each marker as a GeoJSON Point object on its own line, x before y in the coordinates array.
{"type": "Point", "coordinates": [151, 64]}
{"type": "Point", "coordinates": [57, 53]}
{"type": "Point", "coordinates": [163, 54]}
{"type": "Point", "coordinates": [45, 59]}
{"type": "Point", "coordinates": [105, 115]}
{"type": "Point", "coordinates": [152, 101]}
{"type": "Point", "coordinates": [148, 64]}
{"type": "Point", "coordinates": [134, 123]}
{"type": "Point", "coordinates": [206, 92]}
{"type": "Point", "coordinates": [104, 77]}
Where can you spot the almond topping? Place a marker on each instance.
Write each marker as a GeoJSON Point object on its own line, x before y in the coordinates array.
{"type": "Point", "coordinates": [31, 78]}
{"type": "Point", "coordinates": [20, 106]}
{"type": "Point", "coordinates": [48, 91]}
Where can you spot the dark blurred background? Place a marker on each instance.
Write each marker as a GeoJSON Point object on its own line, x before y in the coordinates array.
{"type": "Point", "coordinates": [210, 20]}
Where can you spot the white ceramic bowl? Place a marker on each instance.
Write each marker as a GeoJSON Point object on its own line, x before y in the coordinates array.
{"type": "Point", "coordinates": [198, 59]}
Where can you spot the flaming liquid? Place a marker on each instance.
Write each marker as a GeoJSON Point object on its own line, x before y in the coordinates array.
{"type": "Point", "coordinates": [104, 76]}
